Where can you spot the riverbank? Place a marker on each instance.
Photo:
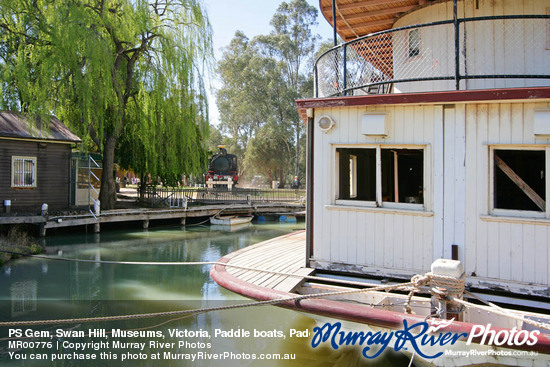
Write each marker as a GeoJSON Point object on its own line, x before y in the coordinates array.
{"type": "Point", "coordinates": [18, 241]}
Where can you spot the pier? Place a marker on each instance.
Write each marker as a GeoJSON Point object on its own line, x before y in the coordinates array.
{"type": "Point", "coordinates": [146, 215]}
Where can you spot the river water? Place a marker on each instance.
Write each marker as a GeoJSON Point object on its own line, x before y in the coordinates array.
{"type": "Point", "coordinates": [38, 289]}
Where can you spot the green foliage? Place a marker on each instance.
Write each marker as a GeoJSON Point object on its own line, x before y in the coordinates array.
{"type": "Point", "coordinates": [123, 74]}
{"type": "Point", "coordinates": [19, 241]}
{"type": "Point", "coordinates": [262, 78]}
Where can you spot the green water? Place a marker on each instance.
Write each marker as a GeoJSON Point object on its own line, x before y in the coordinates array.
{"type": "Point", "coordinates": [37, 289]}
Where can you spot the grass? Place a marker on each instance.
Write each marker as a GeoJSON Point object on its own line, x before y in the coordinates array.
{"type": "Point", "coordinates": [17, 240]}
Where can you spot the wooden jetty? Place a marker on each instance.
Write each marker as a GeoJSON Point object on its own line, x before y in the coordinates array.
{"type": "Point", "coordinates": [145, 215]}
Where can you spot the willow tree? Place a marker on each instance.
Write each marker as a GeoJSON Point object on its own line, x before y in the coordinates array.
{"type": "Point", "coordinates": [115, 71]}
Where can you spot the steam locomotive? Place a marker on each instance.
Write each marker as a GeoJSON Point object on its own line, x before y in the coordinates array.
{"type": "Point", "coordinates": [223, 166]}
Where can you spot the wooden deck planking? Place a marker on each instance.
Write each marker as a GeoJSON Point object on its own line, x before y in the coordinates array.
{"type": "Point", "coordinates": [269, 263]}
{"type": "Point", "coordinates": [283, 254]}
{"type": "Point", "coordinates": [252, 260]}
{"type": "Point", "coordinates": [272, 250]}
{"type": "Point", "coordinates": [268, 260]}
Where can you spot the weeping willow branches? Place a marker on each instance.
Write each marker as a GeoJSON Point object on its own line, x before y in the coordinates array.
{"type": "Point", "coordinates": [127, 75]}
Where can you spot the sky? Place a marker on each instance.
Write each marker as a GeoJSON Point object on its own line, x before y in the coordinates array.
{"type": "Point", "coordinates": [252, 17]}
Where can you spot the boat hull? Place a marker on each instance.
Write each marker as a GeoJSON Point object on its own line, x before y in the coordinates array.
{"type": "Point", "coordinates": [230, 220]}
{"type": "Point", "coordinates": [435, 349]}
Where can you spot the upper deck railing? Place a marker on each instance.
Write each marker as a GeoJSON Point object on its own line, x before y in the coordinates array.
{"type": "Point", "coordinates": [467, 53]}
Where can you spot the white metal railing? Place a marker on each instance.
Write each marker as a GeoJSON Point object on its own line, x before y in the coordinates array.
{"type": "Point", "coordinates": [91, 199]}
{"type": "Point", "coordinates": [467, 53]}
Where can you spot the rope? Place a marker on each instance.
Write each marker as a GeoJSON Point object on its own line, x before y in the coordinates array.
{"type": "Point", "coordinates": [190, 263]}
{"type": "Point", "coordinates": [203, 310]}
{"type": "Point", "coordinates": [502, 312]}
{"type": "Point", "coordinates": [453, 286]}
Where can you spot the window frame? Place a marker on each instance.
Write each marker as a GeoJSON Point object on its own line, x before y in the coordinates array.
{"type": "Point", "coordinates": [17, 158]}
{"type": "Point", "coordinates": [379, 203]}
{"type": "Point", "coordinates": [499, 212]}
{"type": "Point", "coordinates": [414, 53]}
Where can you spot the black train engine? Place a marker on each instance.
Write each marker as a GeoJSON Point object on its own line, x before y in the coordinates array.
{"type": "Point", "coordinates": [222, 168]}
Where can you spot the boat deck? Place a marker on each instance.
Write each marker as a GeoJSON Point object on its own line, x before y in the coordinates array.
{"type": "Point", "coordinates": [282, 255]}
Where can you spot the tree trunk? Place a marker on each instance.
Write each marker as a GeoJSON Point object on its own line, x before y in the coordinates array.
{"type": "Point", "coordinates": [142, 187]}
{"type": "Point", "coordinates": [107, 195]}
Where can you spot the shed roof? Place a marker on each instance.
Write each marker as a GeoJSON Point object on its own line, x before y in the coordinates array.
{"type": "Point", "coordinates": [17, 126]}
{"type": "Point", "coordinates": [356, 18]}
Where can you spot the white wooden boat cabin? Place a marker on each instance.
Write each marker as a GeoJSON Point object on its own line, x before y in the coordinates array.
{"type": "Point", "coordinates": [429, 137]}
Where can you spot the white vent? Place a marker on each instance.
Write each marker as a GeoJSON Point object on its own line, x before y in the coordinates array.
{"type": "Point", "coordinates": [541, 125]}
{"type": "Point", "coordinates": [375, 124]}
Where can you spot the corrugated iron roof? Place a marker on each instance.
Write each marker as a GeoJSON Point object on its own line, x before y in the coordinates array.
{"type": "Point", "coordinates": [356, 18]}
{"type": "Point", "coordinates": [16, 125]}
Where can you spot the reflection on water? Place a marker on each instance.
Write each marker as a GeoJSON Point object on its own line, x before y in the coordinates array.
{"type": "Point", "coordinates": [45, 289]}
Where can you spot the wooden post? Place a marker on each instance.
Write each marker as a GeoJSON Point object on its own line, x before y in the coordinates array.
{"type": "Point", "coordinates": [97, 227]}
{"type": "Point", "coordinates": [395, 177]}
{"type": "Point", "coordinates": [183, 220]}
{"type": "Point", "coordinates": [42, 230]}
{"type": "Point", "coordinates": [146, 224]}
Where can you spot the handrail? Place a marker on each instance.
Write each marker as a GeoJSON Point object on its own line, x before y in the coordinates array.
{"type": "Point", "coordinates": [91, 187]}
{"type": "Point", "coordinates": [370, 60]}
{"type": "Point", "coordinates": [163, 196]}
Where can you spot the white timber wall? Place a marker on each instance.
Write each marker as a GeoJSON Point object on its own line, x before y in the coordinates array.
{"type": "Point", "coordinates": [495, 246]}
{"type": "Point", "coordinates": [457, 139]}
{"type": "Point", "coordinates": [387, 241]}
{"type": "Point", "coordinates": [494, 47]}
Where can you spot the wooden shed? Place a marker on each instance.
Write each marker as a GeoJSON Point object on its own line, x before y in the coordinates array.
{"type": "Point", "coordinates": [35, 158]}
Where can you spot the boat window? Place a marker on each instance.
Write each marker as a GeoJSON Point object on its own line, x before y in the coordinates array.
{"type": "Point", "coordinates": [357, 176]}
{"type": "Point", "coordinates": [402, 175]}
{"type": "Point", "coordinates": [414, 42]}
{"type": "Point", "coordinates": [519, 179]}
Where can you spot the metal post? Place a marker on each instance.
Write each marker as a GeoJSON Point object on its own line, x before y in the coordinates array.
{"type": "Point", "coordinates": [309, 186]}
{"type": "Point", "coordinates": [315, 81]}
{"type": "Point", "coordinates": [345, 81]}
{"type": "Point", "coordinates": [457, 44]}
{"type": "Point", "coordinates": [334, 22]}
{"type": "Point", "coordinates": [89, 181]}
{"type": "Point", "coordinates": [335, 44]}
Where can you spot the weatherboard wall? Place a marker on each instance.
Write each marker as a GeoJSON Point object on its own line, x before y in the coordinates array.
{"type": "Point", "coordinates": [509, 250]}
{"type": "Point", "coordinates": [350, 237]}
{"type": "Point", "coordinates": [52, 175]}
{"type": "Point", "coordinates": [513, 245]}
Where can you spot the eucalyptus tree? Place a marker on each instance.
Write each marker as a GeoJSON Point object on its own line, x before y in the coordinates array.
{"type": "Point", "coordinates": [124, 73]}
{"type": "Point", "coordinates": [261, 79]}
{"type": "Point", "coordinates": [292, 44]}
{"type": "Point", "coordinates": [244, 101]}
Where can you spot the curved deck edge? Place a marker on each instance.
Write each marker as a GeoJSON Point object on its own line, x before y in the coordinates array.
{"type": "Point", "coordinates": [345, 311]}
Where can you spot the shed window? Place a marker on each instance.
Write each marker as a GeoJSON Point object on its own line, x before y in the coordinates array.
{"type": "Point", "coordinates": [414, 42]}
{"type": "Point", "coordinates": [400, 177]}
{"type": "Point", "coordinates": [23, 171]}
{"type": "Point", "coordinates": [519, 179]}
